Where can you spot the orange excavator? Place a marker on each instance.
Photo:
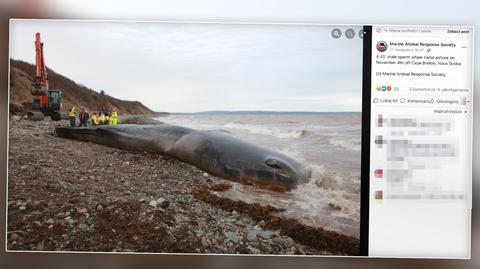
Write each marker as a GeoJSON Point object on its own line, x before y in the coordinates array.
{"type": "Point", "coordinates": [45, 102]}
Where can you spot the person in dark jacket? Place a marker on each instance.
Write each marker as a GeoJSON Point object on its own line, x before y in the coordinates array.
{"type": "Point", "coordinates": [83, 117]}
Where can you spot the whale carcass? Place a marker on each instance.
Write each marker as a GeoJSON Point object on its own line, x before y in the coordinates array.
{"type": "Point", "coordinates": [217, 152]}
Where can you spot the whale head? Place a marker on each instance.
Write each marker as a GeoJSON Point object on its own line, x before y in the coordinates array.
{"type": "Point", "coordinates": [222, 154]}
{"type": "Point", "coordinates": [287, 172]}
{"type": "Point", "coordinates": [252, 164]}
{"type": "Point", "coordinates": [278, 173]}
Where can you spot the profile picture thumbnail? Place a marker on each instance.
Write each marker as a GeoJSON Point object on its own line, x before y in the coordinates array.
{"type": "Point", "coordinates": [382, 46]}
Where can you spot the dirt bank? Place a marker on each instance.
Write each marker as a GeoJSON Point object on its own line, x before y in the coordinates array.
{"type": "Point", "coordinates": [74, 93]}
{"type": "Point", "coordinates": [71, 195]}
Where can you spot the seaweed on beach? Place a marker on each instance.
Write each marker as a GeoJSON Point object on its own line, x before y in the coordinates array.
{"type": "Point", "coordinates": [121, 224]}
{"type": "Point", "coordinates": [221, 187]}
{"type": "Point", "coordinates": [317, 238]}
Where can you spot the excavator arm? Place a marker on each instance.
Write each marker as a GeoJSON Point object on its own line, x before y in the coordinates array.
{"type": "Point", "coordinates": [40, 85]}
{"type": "Point", "coordinates": [45, 102]}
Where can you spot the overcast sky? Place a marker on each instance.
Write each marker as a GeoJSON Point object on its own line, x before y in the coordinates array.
{"type": "Point", "coordinates": [181, 67]}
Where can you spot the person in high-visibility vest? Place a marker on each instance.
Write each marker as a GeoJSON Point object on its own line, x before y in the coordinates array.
{"type": "Point", "coordinates": [101, 119]}
{"type": "Point", "coordinates": [94, 119]}
{"type": "Point", "coordinates": [107, 119]}
{"type": "Point", "coordinates": [114, 117]}
{"type": "Point", "coordinates": [71, 116]}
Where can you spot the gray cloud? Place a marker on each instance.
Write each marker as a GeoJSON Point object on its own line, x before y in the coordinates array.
{"type": "Point", "coordinates": [197, 67]}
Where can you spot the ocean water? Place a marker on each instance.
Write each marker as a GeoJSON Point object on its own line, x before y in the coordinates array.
{"type": "Point", "coordinates": [328, 143]}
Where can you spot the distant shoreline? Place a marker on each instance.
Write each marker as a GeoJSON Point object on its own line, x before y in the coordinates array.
{"type": "Point", "coordinates": [259, 112]}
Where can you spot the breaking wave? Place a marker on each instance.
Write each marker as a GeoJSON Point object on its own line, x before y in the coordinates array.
{"type": "Point", "coordinates": [346, 142]}
{"type": "Point", "coordinates": [265, 130]}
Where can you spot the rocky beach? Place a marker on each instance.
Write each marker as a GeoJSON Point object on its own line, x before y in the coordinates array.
{"type": "Point", "coordinates": [67, 195]}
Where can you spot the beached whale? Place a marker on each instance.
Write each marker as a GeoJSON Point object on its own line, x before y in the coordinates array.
{"type": "Point", "coordinates": [216, 152]}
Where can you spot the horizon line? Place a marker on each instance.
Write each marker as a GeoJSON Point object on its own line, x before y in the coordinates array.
{"type": "Point", "coordinates": [261, 111]}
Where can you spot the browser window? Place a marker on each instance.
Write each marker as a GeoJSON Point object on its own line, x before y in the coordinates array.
{"type": "Point", "coordinates": [240, 138]}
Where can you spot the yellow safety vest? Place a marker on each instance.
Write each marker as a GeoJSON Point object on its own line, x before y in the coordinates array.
{"type": "Point", "coordinates": [114, 118]}
{"type": "Point", "coordinates": [72, 112]}
{"type": "Point", "coordinates": [95, 119]}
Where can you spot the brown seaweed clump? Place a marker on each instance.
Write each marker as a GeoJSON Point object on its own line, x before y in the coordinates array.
{"type": "Point", "coordinates": [221, 187]}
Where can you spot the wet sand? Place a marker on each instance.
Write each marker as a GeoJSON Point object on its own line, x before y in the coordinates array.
{"type": "Point", "coordinates": [66, 195]}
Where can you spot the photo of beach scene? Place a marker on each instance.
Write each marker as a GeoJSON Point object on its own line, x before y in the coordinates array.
{"type": "Point", "coordinates": [169, 137]}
